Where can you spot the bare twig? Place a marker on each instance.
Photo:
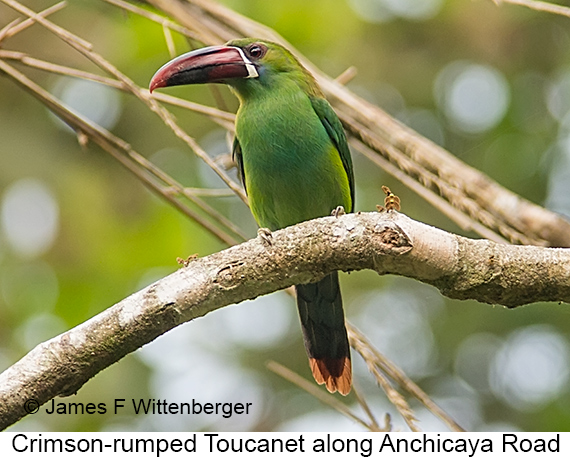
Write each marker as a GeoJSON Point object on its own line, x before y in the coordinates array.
{"type": "Point", "coordinates": [85, 48]}
{"type": "Point", "coordinates": [174, 188]}
{"type": "Point", "coordinates": [347, 75]}
{"type": "Point", "coordinates": [223, 118]}
{"type": "Point", "coordinates": [460, 218]}
{"type": "Point", "coordinates": [169, 41]}
{"type": "Point", "coordinates": [325, 397]}
{"type": "Point", "coordinates": [378, 363]}
{"type": "Point", "coordinates": [395, 397]}
{"type": "Point", "coordinates": [214, 193]}
{"type": "Point", "coordinates": [122, 152]}
{"type": "Point", "coordinates": [538, 6]}
{"type": "Point", "coordinates": [17, 25]}
{"type": "Point", "coordinates": [366, 408]}
{"type": "Point", "coordinates": [163, 21]}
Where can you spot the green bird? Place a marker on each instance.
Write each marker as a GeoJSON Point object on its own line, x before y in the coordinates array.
{"type": "Point", "coordinates": [295, 165]}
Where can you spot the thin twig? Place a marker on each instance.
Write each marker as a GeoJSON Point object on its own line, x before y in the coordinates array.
{"type": "Point", "coordinates": [17, 25]}
{"type": "Point", "coordinates": [364, 405]}
{"type": "Point", "coordinates": [163, 21]}
{"type": "Point", "coordinates": [118, 148]}
{"type": "Point", "coordinates": [538, 6]}
{"type": "Point", "coordinates": [85, 48]}
{"type": "Point", "coordinates": [169, 41]}
{"type": "Point", "coordinates": [174, 188]}
{"type": "Point", "coordinates": [395, 397]}
{"type": "Point", "coordinates": [460, 218]}
{"type": "Point", "coordinates": [223, 118]}
{"type": "Point", "coordinates": [325, 397]}
{"type": "Point", "coordinates": [126, 84]}
{"type": "Point", "coordinates": [347, 75]}
{"type": "Point", "coordinates": [373, 357]}
{"type": "Point", "coordinates": [214, 193]}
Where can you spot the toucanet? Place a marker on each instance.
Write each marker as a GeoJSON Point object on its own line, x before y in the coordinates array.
{"type": "Point", "coordinates": [294, 162]}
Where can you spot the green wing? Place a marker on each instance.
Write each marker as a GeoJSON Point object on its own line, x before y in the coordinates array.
{"type": "Point", "coordinates": [237, 157]}
{"type": "Point", "coordinates": [332, 125]}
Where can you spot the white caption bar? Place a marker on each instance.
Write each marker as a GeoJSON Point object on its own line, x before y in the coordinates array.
{"type": "Point", "coordinates": [293, 444]}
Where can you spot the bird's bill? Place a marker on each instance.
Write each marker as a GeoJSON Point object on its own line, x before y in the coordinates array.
{"type": "Point", "coordinates": [207, 65]}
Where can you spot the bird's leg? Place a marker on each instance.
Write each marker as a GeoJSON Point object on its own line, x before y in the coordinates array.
{"type": "Point", "coordinates": [338, 211]}
{"type": "Point", "coordinates": [265, 234]}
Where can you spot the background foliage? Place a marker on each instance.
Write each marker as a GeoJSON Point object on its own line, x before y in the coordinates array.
{"type": "Point", "coordinates": [78, 233]}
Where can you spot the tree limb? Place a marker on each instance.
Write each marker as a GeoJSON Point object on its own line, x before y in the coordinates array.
{"type": "Point", "coordinates": [386, 242]}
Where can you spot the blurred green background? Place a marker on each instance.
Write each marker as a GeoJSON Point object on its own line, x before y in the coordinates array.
{"type": "Point", "coordinates": [79, 233]}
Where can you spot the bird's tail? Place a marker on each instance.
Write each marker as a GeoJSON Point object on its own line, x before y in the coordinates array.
{"type": "Point", "coordinates": [324, 332]}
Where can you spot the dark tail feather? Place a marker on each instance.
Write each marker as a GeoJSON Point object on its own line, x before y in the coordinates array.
{"type": "Point", "coordinates": [324, 332]}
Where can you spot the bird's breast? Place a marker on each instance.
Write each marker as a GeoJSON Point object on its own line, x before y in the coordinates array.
{"type": "Point", "coordinates": [292, 170]}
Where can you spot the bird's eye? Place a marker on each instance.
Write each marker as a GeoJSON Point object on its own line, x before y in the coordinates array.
{"type": "Point", "coordinates": [256, 51]}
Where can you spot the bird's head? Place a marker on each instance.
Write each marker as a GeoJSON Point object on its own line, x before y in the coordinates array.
{"type": "Point", "coordinates": [246, 64]}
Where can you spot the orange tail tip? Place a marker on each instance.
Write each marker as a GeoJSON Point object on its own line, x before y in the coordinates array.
{"type": "Point", "coordinates": [336, 374]}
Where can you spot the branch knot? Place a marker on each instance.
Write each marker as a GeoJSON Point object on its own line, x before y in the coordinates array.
{"type": "Point", "coordinates": [393, 239]}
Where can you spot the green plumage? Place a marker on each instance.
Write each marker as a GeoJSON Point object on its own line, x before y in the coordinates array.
{"type": "Point", "coordinates": [290, 146]}
{"type": "Point", "coordinates": [294, 172]}
{"type": "Point", "coordinates": [294, 161]}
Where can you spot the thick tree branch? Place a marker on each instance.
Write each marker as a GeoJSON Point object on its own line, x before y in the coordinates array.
{"type": "Point", "coordinates": [385, 242]}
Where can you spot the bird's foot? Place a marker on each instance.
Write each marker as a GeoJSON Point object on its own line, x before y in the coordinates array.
{"type": "Point", "coordinates": [338, 211]}
{"type": "Point", "coordinates": [266, 235]}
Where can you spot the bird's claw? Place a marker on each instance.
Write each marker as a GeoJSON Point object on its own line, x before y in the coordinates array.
{"type": "Point", "coordinates": [338, 211]}
{"type": "Point", "coordinates": [266, 235]}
